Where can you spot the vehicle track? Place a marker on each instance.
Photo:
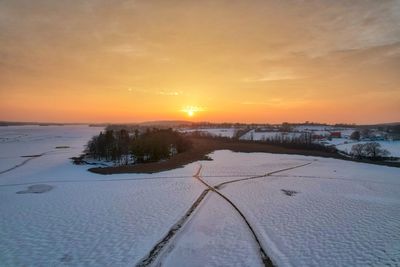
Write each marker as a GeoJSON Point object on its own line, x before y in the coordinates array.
{"type": "Point", "coordinates": [264, 257]}
{"type": "Point", "coordinates": [119, 179]}
{"type": "Point", "coordinates": [186, 177]}
{"type": "Point", "coordinates": [331, 178]}
{"type": "Point", "coordinates": [221, 185]}
{"type": "Point", "coordinates": [156, 250]}
{"type": "Point", "coordinates": [24, 162]}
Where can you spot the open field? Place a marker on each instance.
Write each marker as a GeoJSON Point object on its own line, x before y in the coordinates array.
{"type": "Point", "coordinates": [203, 146]}
{"type": "Point", "coordinates": [299, 210]}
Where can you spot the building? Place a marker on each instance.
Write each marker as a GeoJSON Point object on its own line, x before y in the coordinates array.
{"type": "Point", "coordinates": [336, 135]}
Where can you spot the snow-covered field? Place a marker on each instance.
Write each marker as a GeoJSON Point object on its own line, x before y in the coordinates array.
{"type": "Point", "coordinates": [297, 132]}
{"type": "Point", "coordinates": [259, 136]}
{"type": "Point", "coordinates": [86, 219]}
{"type": "Point", "coordinates": [327, 213]}
{"type": "Point", "coordinates": [341, 214]}
{"type": "Point", "coordinates": [19, 141]}
{"type": "Point", "coordinates": [392, 146]}
{"type": "Point", "coordinates": [343, 144]}
{"type": "Point", "coordinates": [222, 132]}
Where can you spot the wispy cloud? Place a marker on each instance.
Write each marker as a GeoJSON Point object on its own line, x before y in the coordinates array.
{"type": "Point", "coordinates": [276, 102]}
{"type": "Point", "coordinates": [169, 93]}
{"type": "Point", "coordinates": [272, 76]}
{"type": "Point", "coordinates": [126, 49]}
{"type": "Point", "coordinates": [154, 92]}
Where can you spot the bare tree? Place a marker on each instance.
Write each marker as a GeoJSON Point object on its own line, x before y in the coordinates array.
{"type": "Point", "coordinates": [365, 133]}
{"type": "Point", "coordinates": [355, 135]}
{"type": "Point", "coordinates": [357, 151]}
{"type": "Point", "coordinates": [374, 150]}
{"type": "Point", "coordinates": [371, 150]}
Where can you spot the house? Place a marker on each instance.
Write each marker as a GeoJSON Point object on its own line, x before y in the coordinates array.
{"type": "Point", "coordinates": [317, 137]}
{"type": "Point", "coordinates": [336, 135]}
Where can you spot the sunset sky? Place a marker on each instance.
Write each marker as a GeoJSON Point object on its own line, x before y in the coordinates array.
{"type": "Point", "coordinates": [220, 60]}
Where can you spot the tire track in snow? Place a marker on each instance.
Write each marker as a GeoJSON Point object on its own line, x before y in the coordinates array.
{"type": "Point", "coordinates": [24, 162]}
{"type": "Point", "coordinates": [264, 257]}
{"type": "Point", "coordinates": [221, 185]}
{"type": "Point", "coordinates": [158, 248]}
{"type": "Point", "coordinates": [332, 178]}
{"type": "Point", "coordinates": [117, 179]}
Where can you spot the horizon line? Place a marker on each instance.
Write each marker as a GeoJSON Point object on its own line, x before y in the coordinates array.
{"type": "Point", "coordinates": [193, 122]}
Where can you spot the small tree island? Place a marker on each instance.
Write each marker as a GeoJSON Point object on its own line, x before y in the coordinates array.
{"type": "Point", "coordinates": [125, 147]}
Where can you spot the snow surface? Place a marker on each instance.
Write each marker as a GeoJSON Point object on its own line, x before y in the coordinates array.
{"type": "Point", "coordinates": [392, 146]}
{"type": "Point", "coordinates": [324, 130]}
{"type": "Point", "coordinates": [340, 213]}
{"type": "Point", "coordinates": [302, 128]}
{"type": "Point", "coordinates": [228, 166]}
{"type": "Point", "coordinates": [18, 141]}
{"type": "Point", "coordinates": [86, 219]}
{"type": "Point", "coordinates": [219, 237]}
{"type": "Point", "coordinates": [298, 131]}
{"type": "Point", "coordinates": [258, 136]}
{"type": "Point", "coordinates": [222, 132]}
{"type": "Point", "coordinates": [344, 213]}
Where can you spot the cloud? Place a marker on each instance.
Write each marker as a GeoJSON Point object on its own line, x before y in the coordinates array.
{"type": "Point", "coordinates": [169, 93]}
{"type": "Point", "coordinates": [154, 92]}
{"type": "Point", "coordinates": [277, 102]}
{"type": "Point", "coordinates": [126, 49]}
{"type": "Point", "coordinates": [273, 76]}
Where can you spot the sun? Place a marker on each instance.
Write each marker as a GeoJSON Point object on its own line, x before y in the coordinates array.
{"type": "Point", "coordinates": [191, 110]}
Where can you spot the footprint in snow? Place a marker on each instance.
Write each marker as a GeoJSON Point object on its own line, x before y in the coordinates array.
{"type": "Point", "coordinates": [289, 192]}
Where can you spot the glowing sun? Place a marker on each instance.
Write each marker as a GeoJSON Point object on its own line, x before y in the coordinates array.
{"type": "Point", "coordinates": [191, 110]}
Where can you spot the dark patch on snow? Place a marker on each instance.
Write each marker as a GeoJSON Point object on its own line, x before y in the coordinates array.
{"type": "Point", "coordinates": [81, 161]}
{"type": "Point", "coordinates": [207, 158]}
{"type": "Point", "coordinates": [61, 147]}
{"type": "Point", "coordinates": [289, 193]}
{"type": "Point", "coordinates": [32, 156]}
{"type": "Point", "coordinates": [36, 189]}
{"type": "Point", "coordinates": [66, 258]}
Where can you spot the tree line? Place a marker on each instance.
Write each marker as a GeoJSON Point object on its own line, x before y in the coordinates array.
{"type": "Point", "coordinates": [370, 150]}
{"type": "Point", "coordinates": [126, 147]}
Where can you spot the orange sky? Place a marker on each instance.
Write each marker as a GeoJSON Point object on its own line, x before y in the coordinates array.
{"type": "Point", "coordinates": [247, 61]}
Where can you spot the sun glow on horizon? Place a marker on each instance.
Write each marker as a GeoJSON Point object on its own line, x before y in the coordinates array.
{"type": "Point", "coordinates": [191, 110]}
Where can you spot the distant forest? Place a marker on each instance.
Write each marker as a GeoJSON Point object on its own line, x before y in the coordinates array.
{"type": "Point", "coordinates": [126, 147]}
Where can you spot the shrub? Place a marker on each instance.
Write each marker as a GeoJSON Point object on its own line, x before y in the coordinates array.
{"type": "Point", "coordinates": [355, 135]}
{"type": "Point", "coordinates": [370, 150]}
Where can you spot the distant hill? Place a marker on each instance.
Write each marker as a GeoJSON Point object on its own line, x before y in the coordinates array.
{"type": "Point", "coordinates": [181, 123]}
{"type": "Point", "coordinates": [165, 123]}
{"type": "Point", "coordinates": [380, 124]}
{"type": "Point", "coordinates": [24, 123]}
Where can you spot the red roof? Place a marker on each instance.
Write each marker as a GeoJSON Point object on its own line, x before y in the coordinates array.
{"type": "Point", "coordinates": [336, 134]}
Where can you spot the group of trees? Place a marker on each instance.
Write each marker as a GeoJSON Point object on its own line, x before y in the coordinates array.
{"type": "Point", "coordinates": [362, 134]}
{"type": "Point", "coordinates": [279, 138]}
{"type": "Point", "coordinates": [302, 141]}
{"type": "Point", "coordinates": [370, 150]}
{"type": "Point", "coordinates": [355, 135]}
{"type": "Point", "coordinates": [124, 147]}
{"type": "Point", "coordinates": [158, 144]}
